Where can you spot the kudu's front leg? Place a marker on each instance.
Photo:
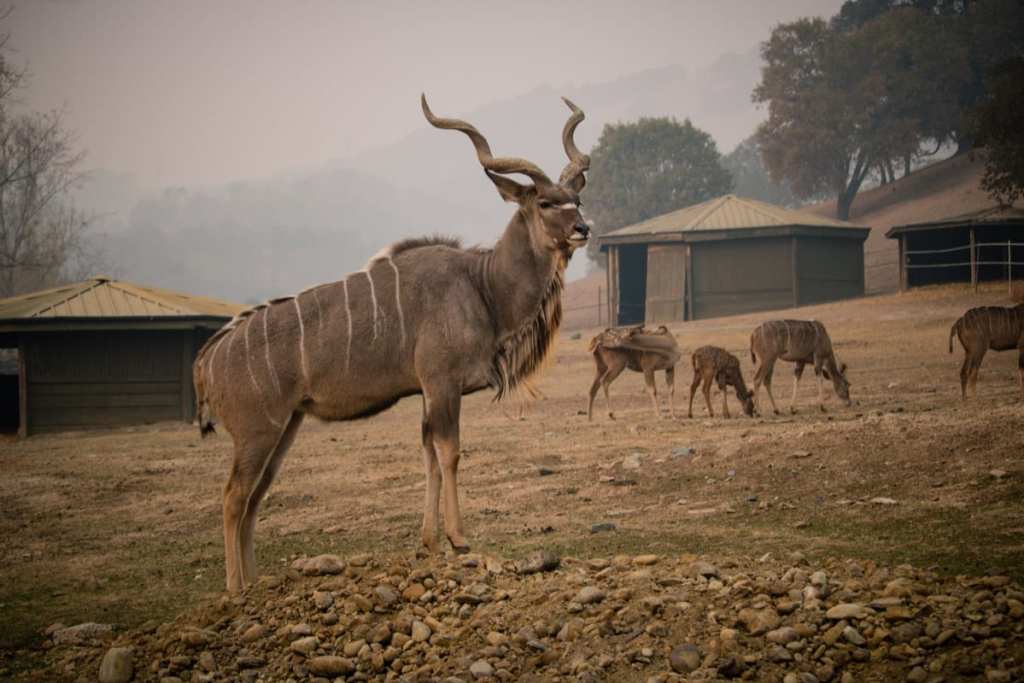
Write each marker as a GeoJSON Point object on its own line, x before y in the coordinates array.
{"type": "Point", "coordinates": [431, 507]}
{"type": "Point", "coordinates": [652, 389]}
{"type": "Point", "coordinates": [443, 416]}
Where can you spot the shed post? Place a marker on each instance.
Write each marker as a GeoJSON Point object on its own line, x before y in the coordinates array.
{"type": "Point", "coordinates": [22, 386]}
{"type": "Point", "coordinates": [1009, 267]}
{"type": "Point", "coordinates": [688, 307]}
{"type": "Point", "coordinates": [186, 375]}
{"type": "Point", "coordinates": [795, 265]}
{"type": "Point", "coordinates": [903, 262]}
{"type": "Point", "coordinates": [974, 263]}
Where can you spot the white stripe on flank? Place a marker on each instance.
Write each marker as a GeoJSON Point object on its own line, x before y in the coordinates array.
{"type": "Point", "coordinates": [266, 343]}
{"type": "Point", "coordinates": [373, 299]}
{"type": "Point", "coordinates": [209, 366]}
{"type": "Point", "coordinates": [348, 318]}
{"type": "Point", "coordinates": [302, 344]}
{"type": "Point", "coordinates": [252, 376]}
{"type": "Point", "coordinates": [319, 320]}
{"type": "Point", "coordinates": [398, 300]}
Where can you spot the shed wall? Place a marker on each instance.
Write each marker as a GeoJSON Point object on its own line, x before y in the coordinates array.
{"type": "Point", "coordinates": [740, 276]}
{"type": "Point", "coordinates": [828, 269]}
{"type": "Point", "coordinates": [102, 379]}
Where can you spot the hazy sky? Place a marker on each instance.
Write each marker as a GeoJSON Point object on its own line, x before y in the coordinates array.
{"type": "Point", "coordinates": [198, 91]}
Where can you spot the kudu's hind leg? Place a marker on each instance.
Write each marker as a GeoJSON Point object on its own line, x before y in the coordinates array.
{"type": "Point", "coordinates": [706, 390]}
{"type": "Point", "coordinates": [596, 384]}
{"type": "Point", "coordinates": [610, 375]}
{"type": "Point", "coordinates": [253, 453]}
{"type": "Point", "coordinates": [965, 374]}
{"type": "Point", "coordinates": [670, 382]}
{"type": "Point", "coordinates": [972, 376]}
{"type": "Point", "coordinates": [249, 573]}
{"type": "Point", "coordinates": [769, 372]}
{"type": "Point", "coordinates": [652, 389]}
{"type": "Point", "coordinates": [693, 390]}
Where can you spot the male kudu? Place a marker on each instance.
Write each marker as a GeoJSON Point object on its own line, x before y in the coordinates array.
{"type": "Point", "coordinates": [424, 316]}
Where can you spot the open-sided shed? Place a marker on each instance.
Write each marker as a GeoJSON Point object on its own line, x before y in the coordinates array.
{"type": "Point", "coordinates": [730, 255]}
{"type": "Point", "coordinates": [975, 247]}
{"type": "Point", "coordinates": [102, 353]}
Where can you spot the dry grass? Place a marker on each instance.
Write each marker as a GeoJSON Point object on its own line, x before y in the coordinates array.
{"type": "Point", "coordinates": [124, 526]}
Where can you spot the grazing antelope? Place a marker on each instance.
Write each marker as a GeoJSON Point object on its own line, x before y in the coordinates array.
{"type": "Point", "coordinates": [424, 316]}
{"type": "Point", "coordinates": [639, 350]}
{"type": "Point", "coordinates": [713, 364]}
{"type": "Point", "coordinates": [802, 342]}
{"type": "Point", "coordinates": [984, 328]}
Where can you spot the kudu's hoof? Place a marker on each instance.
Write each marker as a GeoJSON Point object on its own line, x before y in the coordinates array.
{"type": "Point", "coordinates": [459, 549]}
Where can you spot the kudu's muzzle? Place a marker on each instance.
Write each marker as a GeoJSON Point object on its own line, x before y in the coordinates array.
{"type": "Point", "coordinates": [580, 232]}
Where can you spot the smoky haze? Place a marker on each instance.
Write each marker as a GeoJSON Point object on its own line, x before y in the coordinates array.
{"type": "Point", "coordinates": [245, 150]}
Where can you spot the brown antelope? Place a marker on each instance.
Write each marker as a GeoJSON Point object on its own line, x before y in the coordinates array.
{"type": "Point", "coordinates": [802, 342]}
{"type": "Point", "coordinates": [713, 364]}
{"type": "Point", "coordinates": [640, 350]}
{"type": "Point", "coordinates": [424, 316]}
{"type": "Point", "coordinates": [984, 328]}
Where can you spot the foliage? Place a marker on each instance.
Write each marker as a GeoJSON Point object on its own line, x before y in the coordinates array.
{"type": "Point", "coordinates": [842, 103]}
{"type": "Point", "coordinates": [648, 168]}
{"type": "Point", "coordinates": [1000, 129]}
{"type": "Point", "coordinates": [42, 234]}
{"type": "Point", "coordinates": [751, 179]}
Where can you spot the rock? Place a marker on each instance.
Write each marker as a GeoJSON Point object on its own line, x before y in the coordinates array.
{"type": "Point", "coordinates": [997, 474]}
{"type": "Point", "coordinates": [682, 452]}
{"type": "Point", "coordinates": [645, 560]}
{"type": "Point", "coordinates": [705, 569]}
{"type": "Point", "coordinates": [81, 633]}
{"type": "Point", "coordinates": [685, 658]}
{"type": "Point", "coordinates": [352, 648]}
{"type": "Point", "coordinates": [589, 595]}
{"type": "Point", "coordinates": [323, 565]}
{"type": "Point", "coordinates": [386, 594]}
{"type": "Point", "coordinates": [881, 500]}
{"type": "Point", "coordinates": [330, 665]}
{"type": "Point", "coordinates": [759, 621]}
{"type": "Point", "coordinates": [783, 636]}
{"type": "Point", "coordinates": [481, 669]}
{"type": "Point", "coordinates": [845, 610]}
{"type": "Point", "coordinates": [997, 676]}
{"type": "Point", "coordinates": [540, 561]}
{"type": "Point", "coordinates": [254, 633]}
{"type": "Point", "coordinates": [250, 662]}
{"type": "Point", "coordinates": [731, 667]}
{"type": "Point", "coordinates": [602, 526]}
{"type": "Point", "coordinates": [420, 631]}
{"type": "Point", "coordinates": [853, 636]}
{"type": "Point", "coordinates": [631, 462]}
{"type": "Point", "coordinates": [207, 662]}
{"type": "Point", "coordinates": [917, 675]}
{"type": "Point", "coordinates": [305, 646]}
{"type": "Point", "coordinates": [117, 666]}
{"type": "Point", "coordinates": [413, 592]}
{"type": "Point", "coordinates": [545, 471]}
{"type": "Point", "coordinates": [323, 600]}
{"type": "Point", "coordinates": [801, 454]}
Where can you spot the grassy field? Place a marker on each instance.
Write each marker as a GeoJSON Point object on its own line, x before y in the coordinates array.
{"type": "Point", "coordinates": [124, 526]}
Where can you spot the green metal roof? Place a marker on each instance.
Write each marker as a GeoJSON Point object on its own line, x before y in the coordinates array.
{"type": "Point", "coordinates": [102, 297]}
{"type": "Point", "coordinates": [993, 215]}
{"type": "Point", "coordinates": [729, 212]}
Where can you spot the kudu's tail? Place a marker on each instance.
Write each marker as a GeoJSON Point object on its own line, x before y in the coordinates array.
{"type": "Point", "coordinates": [203, 412]}
{"type": "Point", "coordinates": [953, 331]}
{"type": "Point", "coordinates": [753, 357]}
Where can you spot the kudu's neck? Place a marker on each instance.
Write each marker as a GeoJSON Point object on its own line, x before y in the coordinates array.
{"type": "Point", "coordinates": [518, 275]}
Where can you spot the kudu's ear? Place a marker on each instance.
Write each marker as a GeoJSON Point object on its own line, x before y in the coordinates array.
{"type": "Point", "coordinates": [576, 183]}
{"type": "Point", "coordinates": [842, 370]}
{"type": "Point", "coordinates": [510, 190]}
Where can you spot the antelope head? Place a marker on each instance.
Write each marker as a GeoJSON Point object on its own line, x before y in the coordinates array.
{"type": "Point", "coordinates": [551, 210]}
{"type": "Point", "coordinates": [839, 382]}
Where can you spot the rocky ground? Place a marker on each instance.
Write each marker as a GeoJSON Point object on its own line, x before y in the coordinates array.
{"type": "Point", "coordinates": [629, 618]}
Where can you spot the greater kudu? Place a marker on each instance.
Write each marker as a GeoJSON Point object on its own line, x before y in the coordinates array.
{"type": "Point", "coordinates": [714, 364]}
{"type": "Point", "coordinates": [802, 342]}
{"type": "Point", "coordinates": [984, 328]}
{"type": "Point", "coordinates": [424, 316]}
{"type": "Point", "coordinates": [640, 350]}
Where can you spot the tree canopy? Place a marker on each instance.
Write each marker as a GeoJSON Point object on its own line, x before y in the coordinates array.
{"type": "Point", "coordinates": [649, 167]}
{"type": "Point", "coordinates": [884, 83]}
{"type": "Point", "coordinates": [1000, 129]}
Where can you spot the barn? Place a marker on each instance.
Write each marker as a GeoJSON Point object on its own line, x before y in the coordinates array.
{"type": "Point", "coordinates": [101, 353]}
{"type": "Point", "coordinates": [730, 255]}
{"type": "Point", "coordinates": [974, 247]}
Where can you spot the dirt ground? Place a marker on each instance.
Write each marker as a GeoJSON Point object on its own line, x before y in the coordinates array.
{"type": "Point", "coordinates": [124, 526]}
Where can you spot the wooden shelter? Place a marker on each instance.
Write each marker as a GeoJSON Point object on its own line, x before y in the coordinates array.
{"type": "Point", "coordinates": [103, 353]}
{"type": "Point", "coordinates": [730, 255]}
{"type": "Point", "coordinates": [974, 247]}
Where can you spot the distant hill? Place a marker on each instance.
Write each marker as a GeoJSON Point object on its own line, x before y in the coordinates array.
{"type": "Point", "coordinates": [944, 189]}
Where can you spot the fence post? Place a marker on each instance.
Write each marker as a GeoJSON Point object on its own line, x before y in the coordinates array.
{"type": "Point", "coordinates": [1009, 267]}
{"type": "Point", "coordinates": [599, 305]}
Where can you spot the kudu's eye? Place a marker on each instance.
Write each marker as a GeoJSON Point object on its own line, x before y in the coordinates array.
{"type": "Point", "coordinates": [545, 204]}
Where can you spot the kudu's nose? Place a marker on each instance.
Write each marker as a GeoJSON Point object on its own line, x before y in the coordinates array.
{"type": "Point", "coordinates": [582, 228]}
